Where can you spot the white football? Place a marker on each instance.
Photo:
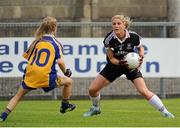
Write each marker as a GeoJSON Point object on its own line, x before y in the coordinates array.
{"type": "Point", "coordinates": [132, 59]}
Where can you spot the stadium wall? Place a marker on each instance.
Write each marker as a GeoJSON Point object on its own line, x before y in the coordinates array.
{"type": "Point", "coordinates": [82, 10]}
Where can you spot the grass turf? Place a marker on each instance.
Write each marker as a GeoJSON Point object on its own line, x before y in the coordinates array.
{"type": "Point", "coordinates": [115, 113]}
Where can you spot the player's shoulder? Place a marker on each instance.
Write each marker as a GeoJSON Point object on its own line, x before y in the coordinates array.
{"type": "Point", "coordinates": [53, 40]}
{"type": "Point", "coordinates": [108, 37]}
{"type": "Point", "coordinates": [59, 44]}
{"type": "Point", "coordinates": [133, 34]}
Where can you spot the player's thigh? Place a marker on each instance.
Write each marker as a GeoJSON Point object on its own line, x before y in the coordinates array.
{"type": "Point", "coordinates": [21, 92]}
{"type": "Point", "coordinates": [98, 83]}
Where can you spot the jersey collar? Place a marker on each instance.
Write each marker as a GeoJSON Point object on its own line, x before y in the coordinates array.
{"type": "Point", "coordinates": [51, 35]}
{"type": "Point", "coordinates": [121, 41]}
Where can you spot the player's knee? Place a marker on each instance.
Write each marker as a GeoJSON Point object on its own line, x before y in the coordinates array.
{"type": "Point", "coordinates": [69, 82]}
{"type": "Point", "coordinates": [92, 91]}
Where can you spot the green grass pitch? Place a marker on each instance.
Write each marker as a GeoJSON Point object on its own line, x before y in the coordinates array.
{"type": "Point", "coordinates": [115, 113]}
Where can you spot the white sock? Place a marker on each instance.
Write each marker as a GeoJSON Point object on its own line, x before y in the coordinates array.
{"type": "Point", "coordinates": [95, 100]}
{"type": "Point", "coordinates": [156, 102]}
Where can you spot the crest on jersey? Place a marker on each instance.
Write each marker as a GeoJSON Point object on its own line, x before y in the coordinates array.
{"type": "Point", "coordinates": [128, 46]}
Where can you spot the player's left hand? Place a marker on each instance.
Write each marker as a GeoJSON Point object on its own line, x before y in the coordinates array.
{"type": "Point", "coordinates": [140, 62]}
{"type": "Point", "coordinates": [68, 72]}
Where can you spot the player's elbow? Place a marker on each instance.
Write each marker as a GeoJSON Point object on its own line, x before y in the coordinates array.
{"type": "Point", "coordinates": [60, 61]}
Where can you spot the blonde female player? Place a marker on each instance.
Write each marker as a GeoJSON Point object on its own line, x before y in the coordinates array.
{"type": "Point", "coordinates": [40, 71]}
{"type": "Point", "coordinates": [118, 43]}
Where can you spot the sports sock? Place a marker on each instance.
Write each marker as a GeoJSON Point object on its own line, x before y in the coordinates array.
{"type": "Point", "coordinates": [157, 103]}
{"type": "Point", "coordinates": [4, 114]}
{"type": "Point", "coordinates": [95, 100]}
{"type": "Point", "coordinates": [8, 111]}
{"type": "Point", "coordinates": [65, 100]}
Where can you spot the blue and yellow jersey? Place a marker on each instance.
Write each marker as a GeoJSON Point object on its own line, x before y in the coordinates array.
{"type": "Point", "coordinates": [42, 55]}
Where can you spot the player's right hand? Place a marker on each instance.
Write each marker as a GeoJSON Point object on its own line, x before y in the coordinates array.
{"type": "Point", "coordinates": [141, 60]}
{"type": "Point", "coordinates": [123, 62]}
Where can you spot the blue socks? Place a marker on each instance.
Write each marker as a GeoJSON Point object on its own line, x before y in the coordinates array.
{"type": "Point", "coordinates": [3, 116]}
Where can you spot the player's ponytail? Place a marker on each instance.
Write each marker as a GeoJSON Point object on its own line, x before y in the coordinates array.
{"type": "Point", "coordinates": [47, 26]}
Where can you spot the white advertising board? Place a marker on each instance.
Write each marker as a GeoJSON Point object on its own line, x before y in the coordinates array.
{"type": "Point", "coordinates": [86, 56]}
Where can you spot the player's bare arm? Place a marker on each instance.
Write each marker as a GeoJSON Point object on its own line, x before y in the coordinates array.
{"type": "Point", "coordinates": [141, 54]}
{"type": "Point", "coordinates": [111, 57]}
{"type": "Point", "coordinates": [62, 65]}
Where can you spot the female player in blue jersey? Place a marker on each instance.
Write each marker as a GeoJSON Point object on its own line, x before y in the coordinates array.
{"type": "Point", "coordinates": [118, 43]}
{"type": "Point", "coordinates": [40, 71]}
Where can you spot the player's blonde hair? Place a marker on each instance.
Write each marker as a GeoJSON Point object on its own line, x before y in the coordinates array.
{"type": "Point", "coordinates": [47, 26]}
{"type": "Point", "coordinates": [125, 19]}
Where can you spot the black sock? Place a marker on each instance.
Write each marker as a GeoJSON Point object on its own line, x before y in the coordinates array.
{"type": "Point", "coordinates": [65, 100]}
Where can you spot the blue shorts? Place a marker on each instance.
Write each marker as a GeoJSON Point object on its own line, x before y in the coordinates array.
{"type": "Point", "coordinates": [52, 85]}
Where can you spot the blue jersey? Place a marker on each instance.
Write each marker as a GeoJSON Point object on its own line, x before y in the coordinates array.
{"type": "Point", "coordinates": [42, 56]}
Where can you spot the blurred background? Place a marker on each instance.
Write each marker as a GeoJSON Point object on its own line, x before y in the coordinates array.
{"type": "Point", "coordinates": [91, 19]}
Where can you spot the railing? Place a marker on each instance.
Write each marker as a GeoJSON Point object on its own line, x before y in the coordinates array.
{"type": "Point", "coordinates": [92, 29]}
